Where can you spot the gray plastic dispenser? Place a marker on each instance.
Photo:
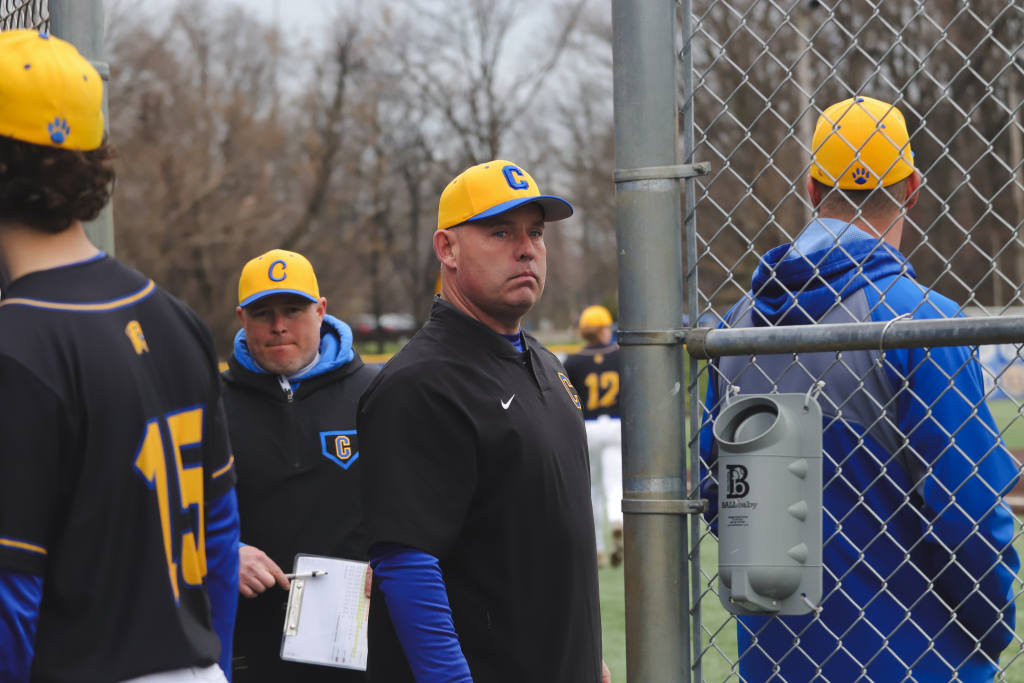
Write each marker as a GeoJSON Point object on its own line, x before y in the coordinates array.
{"type": "Point", "coordinates": [769, 504]}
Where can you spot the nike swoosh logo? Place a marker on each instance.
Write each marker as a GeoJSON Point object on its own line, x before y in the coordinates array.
{"type": "Point", "coordinates": [506, 404]}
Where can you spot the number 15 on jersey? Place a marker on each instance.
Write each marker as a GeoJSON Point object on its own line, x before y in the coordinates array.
{"type": "Point", "coordinates": [159, 462]}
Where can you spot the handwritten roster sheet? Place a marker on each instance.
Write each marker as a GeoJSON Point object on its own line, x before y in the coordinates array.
{"type": "Point", "coordinates": [325, 621]}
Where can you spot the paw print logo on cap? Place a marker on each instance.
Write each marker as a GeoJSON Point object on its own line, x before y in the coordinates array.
{"type": "Point", "coordinates": [860, 175]}
{"type": "Point", "coordinates": [59, 130]}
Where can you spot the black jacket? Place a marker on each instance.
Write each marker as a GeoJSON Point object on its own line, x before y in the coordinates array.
{"type": "Point", "coordinates": [477, 455]}
{"type": "Point", "coordinates": [298, 487]}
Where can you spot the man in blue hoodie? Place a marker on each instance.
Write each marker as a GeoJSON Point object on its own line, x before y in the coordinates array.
{"type": "Point", "coordinates": [918, 575]}
{"type": "Point", "coordinates": [290, 391]}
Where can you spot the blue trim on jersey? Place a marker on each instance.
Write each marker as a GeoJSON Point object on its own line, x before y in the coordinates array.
{"type": "Point", "coordinates": [222, 539]}
{"type": "Point", "coordinates": [99, 255]}
{"type": "Point", "coordinates": [335, 350]}
{"type": "Point", "coordinates": [7, 542]}
{"type": "Point", "coordinates": [20, 597]}
{"type": "Point", "coordinates": [95, 307]}
{"type": "Point", "coordinates": [418, 604]}
{"type": "Point", "coordinates": [515, 340]}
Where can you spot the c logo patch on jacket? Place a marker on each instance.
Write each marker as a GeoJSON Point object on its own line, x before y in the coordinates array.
{"type": "Point", "coordinates": [341, 448]}
{"type": "Point", "coordinates": [571, 390]}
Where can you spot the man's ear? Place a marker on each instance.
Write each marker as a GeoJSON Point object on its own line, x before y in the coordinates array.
{"type": "Point", "coordinates": [238, 312]}
{"type": "Point", "coordinates": [446, 247]}
{"type": "Point", "coordinates": [813, 192]}
{"type": "Point", "coordinates": [321, 308]}
{"type": "Point", "coordinates": [913, 185]}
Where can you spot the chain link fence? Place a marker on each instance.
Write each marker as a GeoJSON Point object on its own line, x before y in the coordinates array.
{"type": "Point", "coordinates": [922, 446]}
{"type": "Point", "coordinates": [24, 14]}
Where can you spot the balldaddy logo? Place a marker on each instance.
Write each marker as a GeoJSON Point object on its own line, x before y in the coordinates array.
{"type": "Point", "coordinates": [736, 481]}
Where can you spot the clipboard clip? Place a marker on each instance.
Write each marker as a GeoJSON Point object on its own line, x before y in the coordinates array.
{"type": "Point", "coordinates": [294, 609]}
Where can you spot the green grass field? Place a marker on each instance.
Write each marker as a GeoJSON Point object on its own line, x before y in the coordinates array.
{"type": "Point", "coordinates": [1010, 420]}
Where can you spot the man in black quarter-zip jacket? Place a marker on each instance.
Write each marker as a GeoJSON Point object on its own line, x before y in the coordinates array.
{"type": "Point", "coordinates": [477, 479]}
{"type": "Point", "coordinates": [290, 391]}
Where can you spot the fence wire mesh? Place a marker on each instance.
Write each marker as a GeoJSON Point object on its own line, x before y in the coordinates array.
{"type": "Point", "coordinates": [922, 447]}
{"type": "Point", "coordinates": [23, 14]}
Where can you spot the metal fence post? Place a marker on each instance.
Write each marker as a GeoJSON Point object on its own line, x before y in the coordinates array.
{"type": "Point", "coordinates": [81, 22]}
{"type": "Point", "coordinates": [650, 296]}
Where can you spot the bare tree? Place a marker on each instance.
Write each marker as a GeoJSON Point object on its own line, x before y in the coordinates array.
{"type": "Point", "coordinates": [222, 157]}
{"type": "Point", "coordinates": [328, 129]}
{"type": "Point", "coordinates": [758, 65]}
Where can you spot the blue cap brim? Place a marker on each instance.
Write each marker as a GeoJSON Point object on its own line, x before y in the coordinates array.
{"type": "Point", "coordinates": [271, 292]}
{"type": "Point", "coordinates": [554, 208]}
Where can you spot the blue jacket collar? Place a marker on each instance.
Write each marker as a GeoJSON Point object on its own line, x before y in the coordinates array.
{"type": "Point", "coordinates": [335, 349]}
{"type": "Point", "coordinates": [796, 284]}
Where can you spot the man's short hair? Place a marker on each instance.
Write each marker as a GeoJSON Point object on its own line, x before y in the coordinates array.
{"type": "Point", "coordinates": [880, 201]}
{"type": "Point", "coordinates": [47, 188]}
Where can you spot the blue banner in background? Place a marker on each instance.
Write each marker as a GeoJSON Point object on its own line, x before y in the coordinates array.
{"type": "Point", "coordinates": [1004, 370]}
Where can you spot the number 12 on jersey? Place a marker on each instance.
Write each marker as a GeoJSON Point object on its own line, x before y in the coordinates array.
{"type": "Point", "coordinates": [154, 461]}
{"type": "Point", "coordinates": [602, 389]}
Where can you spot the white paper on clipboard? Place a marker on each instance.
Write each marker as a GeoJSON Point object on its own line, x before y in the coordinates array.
{"type": "Point", "coordinates": [325, 621]}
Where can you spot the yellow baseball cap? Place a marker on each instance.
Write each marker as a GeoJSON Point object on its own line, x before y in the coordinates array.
{"type": "Point", "coordinates": [595, 316]}
{"type": "Point", "coordinates": [277, 272]}
{"type": "Point", "coordinates": [492, 188]}
{"type": "Point", "coordinates": [861, 143]}
{"type": "Point", "coordinates": [49, 93]}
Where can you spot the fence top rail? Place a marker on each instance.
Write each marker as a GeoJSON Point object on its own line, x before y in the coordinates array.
{"type": "Point", "coordinates": [705, 342]}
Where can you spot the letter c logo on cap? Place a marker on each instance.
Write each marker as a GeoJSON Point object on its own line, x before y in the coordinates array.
{"type": "Point", "coordinates": [514, 178]}
{"type": "Point", "coordinates": [275, 264]}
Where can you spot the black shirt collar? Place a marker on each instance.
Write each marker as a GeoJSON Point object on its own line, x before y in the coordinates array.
{"type": "Point", "coordinates": [472, 332]}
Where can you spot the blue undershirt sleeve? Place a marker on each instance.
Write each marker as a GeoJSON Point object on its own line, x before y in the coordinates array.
{"type": "Point", "coordinates": [417, 602]}
{"type": "Point", "coordinates": [20, 596]}
{"type": "Point", "coordinates": [222, 565]}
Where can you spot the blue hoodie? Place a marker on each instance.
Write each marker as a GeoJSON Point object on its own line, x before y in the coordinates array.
{"type": "Point", "coordinates": [335, 351]}
{"type": "Point", "coordinates": [919, 568]}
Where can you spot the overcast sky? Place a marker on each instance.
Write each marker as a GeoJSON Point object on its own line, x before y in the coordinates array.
{"type": "Point", "coordinates": [305, 17]}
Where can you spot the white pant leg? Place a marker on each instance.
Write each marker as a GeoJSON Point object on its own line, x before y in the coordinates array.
{"type": "Point", "coordinates": [604, 439]}
{"type": "Point", "coordinates": [595, 444]}
{"type": "Point", "coordinates": [611, 466]}
{"type": "Point", "coordinates": [207, 674]}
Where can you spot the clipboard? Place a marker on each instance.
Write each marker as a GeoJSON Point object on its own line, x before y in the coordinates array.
{"type": "Point", "coordinates": [326, 616]}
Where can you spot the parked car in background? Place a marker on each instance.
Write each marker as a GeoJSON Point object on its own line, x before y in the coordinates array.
{"type": "Point", "coordinates": [397, 325]}
{"type": "Point", "coordinates": [389, 327]}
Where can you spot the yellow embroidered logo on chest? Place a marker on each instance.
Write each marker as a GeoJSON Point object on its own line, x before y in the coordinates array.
{"type": "Point", "coordinates": [134, 332]}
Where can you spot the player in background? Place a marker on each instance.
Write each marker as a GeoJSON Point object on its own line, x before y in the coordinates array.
{"type": "Point", "coordinates": [476, 471]}
{"type": "Point", "coordinates": [920, 573]}
{"type": "Point", "coordinates": [118, 519]}
{"type": "Point", "coordinates": [594, 371]}
{"type": "Point", "coordinates": [290, 393]}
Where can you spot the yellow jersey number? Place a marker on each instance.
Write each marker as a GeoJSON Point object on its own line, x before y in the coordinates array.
{"type": "Point", "coordinates": [602, 389]}
{"type": "Point", "coordinates": [185, 429]}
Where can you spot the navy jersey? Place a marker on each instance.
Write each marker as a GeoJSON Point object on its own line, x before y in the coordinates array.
{"type": "Point", "coordinates": [594, 371]}
{"type": "Point", "coordinates": [112, 440]}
